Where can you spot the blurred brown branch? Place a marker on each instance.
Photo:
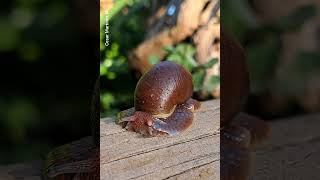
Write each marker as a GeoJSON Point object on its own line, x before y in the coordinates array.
{"type": "Point", "coordinates": [180, 20]}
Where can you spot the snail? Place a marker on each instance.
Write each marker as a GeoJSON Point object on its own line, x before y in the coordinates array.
{"type": "Point", "coordinates": [239, 131]}
{"type": "Point", "coordinates": [162, 102]}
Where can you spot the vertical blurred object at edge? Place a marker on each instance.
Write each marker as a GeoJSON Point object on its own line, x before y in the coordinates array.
{"type": "Point", "coordinates": [47, 74]}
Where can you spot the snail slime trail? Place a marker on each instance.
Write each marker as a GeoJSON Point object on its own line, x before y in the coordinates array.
{"type": "Point", "coordinates": [162, 101]}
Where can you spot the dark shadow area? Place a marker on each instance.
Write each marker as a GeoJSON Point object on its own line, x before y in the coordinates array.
{"type": "Point", "coordinates": [49, 61]}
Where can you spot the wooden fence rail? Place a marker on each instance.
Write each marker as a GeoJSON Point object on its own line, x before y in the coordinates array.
{"type": "Point", "coordinates": [291, 153]}
{"type": "Point", "coordinates": [193, 154]}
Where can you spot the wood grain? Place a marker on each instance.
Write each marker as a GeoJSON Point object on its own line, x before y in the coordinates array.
{"type": "Point", "coordinates": [194, 154]}
{"type": "Point", "coordinates": [291, 153]}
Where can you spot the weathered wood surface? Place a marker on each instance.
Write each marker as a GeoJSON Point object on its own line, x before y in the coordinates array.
{"type": "Point", "coordinates": [292, 151]}
{"type": "Point", "coordinates": [192, 155]}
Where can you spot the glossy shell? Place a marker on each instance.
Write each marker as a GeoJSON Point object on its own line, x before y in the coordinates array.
{"type": "Point", "coordinates": [164, 86]}
{"type": "Point", "coordinates": [234, 78]}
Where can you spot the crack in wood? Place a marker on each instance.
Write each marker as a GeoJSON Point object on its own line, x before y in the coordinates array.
{"type": "Point", "coordinates": [195, 167]}
{"type": "Point", "coordinates": [161, 147]}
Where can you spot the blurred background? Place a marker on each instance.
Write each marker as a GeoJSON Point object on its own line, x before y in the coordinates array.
{"type": "Point", "coordinates": [282, 43]}
{"type": "Point", "coordinates": [281, 40]}
{"type": "Point", "coordinates": [141, 33]}
{"type": "Point", "coordinates": [48, 66]}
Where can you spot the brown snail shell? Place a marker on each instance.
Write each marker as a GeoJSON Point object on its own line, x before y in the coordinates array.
{"type": "Point", "coordinates": [163, 104]}
{"type": "Point", "coordinates": [163, 87]}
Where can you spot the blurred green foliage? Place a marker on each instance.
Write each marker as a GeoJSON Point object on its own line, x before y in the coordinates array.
{"type": "Point", "coordinates": [261, 59]}
{"type": "Point", "coordinates": [184, 54]}
{"type": "Point", "coordinates": [19, 114]}
{"type": "Point", "coordinates": [262, 43]}
{"type": "Point", "coordinates": [127, 21]}
{"type": "Point", "coordinates": [16, 27]}
{"type": "Point", "coordinates": [40, 91]}
{"type": "Point", "coordinates": [305, 67]}
{"type": "Point", "coordinates": [296, 19]}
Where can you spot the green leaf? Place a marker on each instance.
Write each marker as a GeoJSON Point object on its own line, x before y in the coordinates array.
{"type": "Point", "coordinates": [103, 70]}
{"type": "Point", "coordinates": [111, 75]}
{"type": "Point", "coordinates": [176, 58]}
{"type": "Point", "coordinates": [182, 54]}
{"type": "Point", "coordinates": [107, 63]}
{"type": "Point", "coordinates": [191, 62]}
{"type": "Point", "coordinates": [207, 65]}
{"type": "Point", "coordinates": [180, 59]}
{"type": "Point", "coordinates": [153, 59]}
{"type": "Point", "coordinates": [212, 83]}
{"type": "Point", "coordinates": [168, 49]}
{"type": "Point", "coordinates": [210, 63]}
{"type": "Point", "coordinates": [107, 99]}
{"type": "Point", "coordinates": [197, 79]}
{"type": "Point", "coordinates": [186, 49]}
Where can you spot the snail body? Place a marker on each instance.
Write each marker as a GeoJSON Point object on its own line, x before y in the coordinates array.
{"type": "Point", "coordinates": [163, 104]}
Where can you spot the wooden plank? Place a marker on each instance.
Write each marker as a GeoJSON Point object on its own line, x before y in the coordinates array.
{"type": "Point", "coordinates": [193, 154]}
{"type": "Point", "coordinates": [292, 151]}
